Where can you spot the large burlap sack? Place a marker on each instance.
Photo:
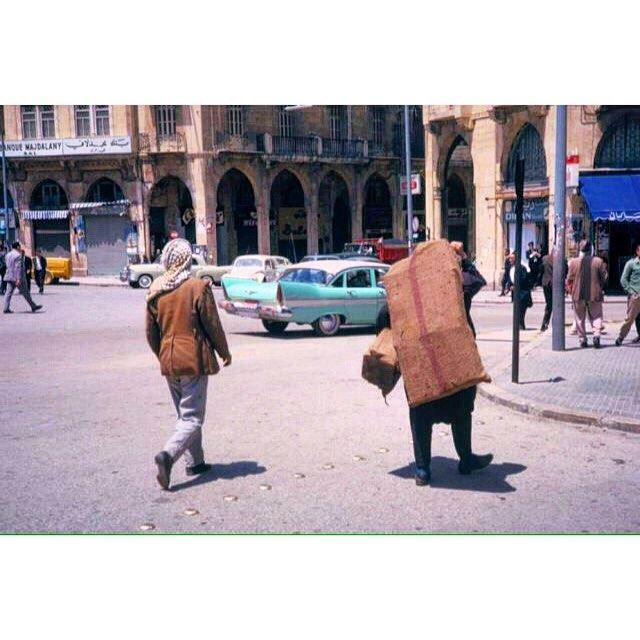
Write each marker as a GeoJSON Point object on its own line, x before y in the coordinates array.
{"type": "Point", "coordinates": [437, 353]}
{"type": "Point", "coordinates": [380, 363]}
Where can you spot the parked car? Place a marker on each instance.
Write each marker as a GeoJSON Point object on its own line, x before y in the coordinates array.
{"type": "Point", "coordinates": [142, 275]}
{"type": "Point", "coordinates": [261, 268]}
{"type": "Point", "coordinates": [320, 256]}
{"type": "Point", "coordinates": [57, 268]}
{"type": "Point", "coordinates": [385, 249]}
{"type": "Point", "coordinates": [325, 294]}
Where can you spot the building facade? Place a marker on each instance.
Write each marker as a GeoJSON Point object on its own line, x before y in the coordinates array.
{"type": "Point", "coordinates": [103, 183]}
{"type": "Point", "coordinates": [470, 155]}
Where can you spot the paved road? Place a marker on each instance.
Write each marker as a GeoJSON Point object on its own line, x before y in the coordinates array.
{"type": "Point", "coordinates": [300, 443]}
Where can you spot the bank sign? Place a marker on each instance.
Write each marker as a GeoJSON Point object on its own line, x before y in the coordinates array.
{"type": "Point", "coordinates": [533, 210]}
{"type": "Point", "coordinates": [95, 146]}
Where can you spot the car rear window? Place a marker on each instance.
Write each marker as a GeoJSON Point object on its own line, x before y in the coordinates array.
{"type": "Point", "coordinates": [247, 262]}
{"type": "Point", "coordinates": [310, 276]}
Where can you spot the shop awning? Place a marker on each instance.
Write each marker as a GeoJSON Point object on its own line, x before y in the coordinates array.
{"type": "Point", "coordinates": [115, 207]}
{"type": "Point", "coordinates": [613, 197]}
{"type": "Point", "coordinates": [45, 214]}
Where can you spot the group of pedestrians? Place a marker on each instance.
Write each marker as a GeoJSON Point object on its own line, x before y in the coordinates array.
{"type": "Point", "coordinates": [15, 270]}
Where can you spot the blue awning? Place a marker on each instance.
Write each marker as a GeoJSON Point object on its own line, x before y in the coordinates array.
{"type": "Point", "coordinates": [614, 197]}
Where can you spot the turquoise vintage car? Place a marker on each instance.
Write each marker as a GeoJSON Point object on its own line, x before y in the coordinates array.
{"type": "Point", "coordinates": [325, 294]}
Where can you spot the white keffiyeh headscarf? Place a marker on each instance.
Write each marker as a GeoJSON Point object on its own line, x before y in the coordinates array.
{"type": "Point", "coordinates": [176, 259]}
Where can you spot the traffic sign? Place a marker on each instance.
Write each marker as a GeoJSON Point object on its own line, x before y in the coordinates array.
{"type": "Point", "coordinates": [416, 185]}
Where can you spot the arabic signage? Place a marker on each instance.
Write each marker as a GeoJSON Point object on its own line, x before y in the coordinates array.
{"type": "Point", "coordinates": [534, 210]}
{"type": "Point", "coordinates": [101, 145]}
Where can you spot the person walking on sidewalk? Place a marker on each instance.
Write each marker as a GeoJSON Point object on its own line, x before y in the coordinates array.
{"type": "Point", "coordinates": [16, 278]}
{"type": "Point", "coordinates": [526, 301]}
{"type": "Point", "coordinates": [472, 280]}
{"type": "Point", "coordinates": [586, 280]}
{"type": "Point", "coordinates": [504, 285]}
{"type": "Point", "coordinates": [630, 281]}
{"type": "Point", "coordinates": [547, 286]}
{"type": "Point", "coordinates": [456, 410]}
{"type": "Point", "coordinates": [39, 270]}
{"type": "Point", "coordinates": [184, 331]}
{"type": "Point", "coordinates": [3, 267]}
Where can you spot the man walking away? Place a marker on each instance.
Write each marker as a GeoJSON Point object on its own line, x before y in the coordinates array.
{"type": "Point", "coordinates": [630, 282]}
{"type": "Point", "coordinates": [28, 268]}
{"type": "Point", "coordinates": [184, 331]}
{"type": "Point", "coordinates": [39, 269]}
{"type": "Point", "coordinates": [547, 286]}
{"type": "Point", "coordinates": [15, 278]}
{"type": "Point", "coordinates": [586, 280]}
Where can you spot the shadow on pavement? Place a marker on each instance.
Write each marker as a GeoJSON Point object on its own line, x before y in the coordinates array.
{"type": "Point", "coordinates": [239, 469]}
{"type": "Point", "coordinates": [444, 475]}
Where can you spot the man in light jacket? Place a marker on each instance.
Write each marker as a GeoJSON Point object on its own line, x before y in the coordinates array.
{"type": "Point", "coordinates": [16, 278]}
{"type": "Point", "coordinates": [184, 331]}
{"type": "Point", "coordinates": [586, 280]}
{"type": "Point", "coordinates": [630, 282]}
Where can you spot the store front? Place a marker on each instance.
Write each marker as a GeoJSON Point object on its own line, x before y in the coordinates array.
{"type": "Point", "coordinates": [535, 223]}
{"type": "Point", "coordinates": [613, 203]}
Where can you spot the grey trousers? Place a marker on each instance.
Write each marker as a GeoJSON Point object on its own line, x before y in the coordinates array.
{"type": "Point", "coordinates": [189, 394]}
{"type": "Point", "coordinates": [11, 287]}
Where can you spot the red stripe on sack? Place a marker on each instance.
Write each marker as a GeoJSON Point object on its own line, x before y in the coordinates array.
{"type": "Point", "coordinates": [425, 339]}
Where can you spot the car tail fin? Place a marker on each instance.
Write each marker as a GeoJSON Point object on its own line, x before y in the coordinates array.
{"type": "Point", "coordinates": [279, 296]}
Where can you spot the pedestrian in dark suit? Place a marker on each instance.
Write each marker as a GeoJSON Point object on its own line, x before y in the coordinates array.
{"type": "Point", "coordinates": [547, 286]}
{"type": "Point", "coordinates": [472, 281]}
{"type": "Point", "coordinates": [39, 270]}
{"type": "Point", "coordinates": [504, 288]}
{"type": "Point", "coordinates": [525, 287]}
{"type": "Point", "coordinates": [28, 269]}
{"type": "Point", "coordinates": [3, 267]}
{"type": "Point", "coordinates": [535, 264]}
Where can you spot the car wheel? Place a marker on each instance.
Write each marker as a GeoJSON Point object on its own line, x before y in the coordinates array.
{"type": "Point", "coordinates": [274, 327]}
{"type": "Point", "coordinates": [48, 277]}
{"type": "Point", "coordinates": [327, 325]}
{"type": "Point", "coordinates": [208, 280]}
{"type": "Point", "coordinates": [145, 281]}
{"type": "Point", "coordinates": [55, 280]}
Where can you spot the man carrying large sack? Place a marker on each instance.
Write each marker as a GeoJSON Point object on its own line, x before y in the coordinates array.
{"type": "Point", "coordinates": [437, 353]}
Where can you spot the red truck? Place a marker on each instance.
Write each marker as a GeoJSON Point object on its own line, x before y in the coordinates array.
{"type": "Point", "coordinates": [387, 250]}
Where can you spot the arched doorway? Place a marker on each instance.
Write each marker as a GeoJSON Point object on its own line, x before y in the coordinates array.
{"type": "Point", "coordinates": [457, 197]}
{"type": "Point", "coordinates": [107, 228]}
{"type": "Point", "coordinates": [528, 146]}
{"type": "Point", "coordinates": [614, 240]}
{"type": "Point", "coordinates": [49, 210]}
{"type": "Point", "coordinates": [237, 229]}
{"type": "Point", "coordinates": [335, 214]}
{"type": "Point", "coordinates": [287, 202]}
{"type": "Point", "coordinates": [377, 219]}
{"type": "Point", "coordinates": [170, 212]}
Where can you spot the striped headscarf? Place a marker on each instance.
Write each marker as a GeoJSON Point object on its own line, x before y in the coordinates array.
{"type": "Point", "coordinates": [176, 259]}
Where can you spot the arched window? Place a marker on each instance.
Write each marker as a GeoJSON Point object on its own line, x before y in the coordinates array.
{"type": "Point", "coordinates": [104, 190]}
{"type": "Point", "coordinates": [48, 195]}
{"type": "Point", "coordinates": [620, 145]}
{"type": "Point", "coordinates": [527, 146]}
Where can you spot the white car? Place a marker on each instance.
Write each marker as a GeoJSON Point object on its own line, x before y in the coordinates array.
{"type": "Point", "coordinates": [258, 267]}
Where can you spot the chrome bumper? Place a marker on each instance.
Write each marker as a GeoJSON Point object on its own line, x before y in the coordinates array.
{"type": "Point", "coordinates": [271, 312]}
{"type": "Point", "coordinates": [239, 309]}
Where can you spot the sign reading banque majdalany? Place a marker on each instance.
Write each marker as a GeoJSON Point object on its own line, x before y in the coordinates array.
{"type": "Point", "coordinates": [92, 146]}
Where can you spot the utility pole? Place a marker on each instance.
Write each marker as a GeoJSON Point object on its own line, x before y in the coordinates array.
{"type": "Point", "coordinates": [515, 343]}
{"type": "Point", "coordinates": [407, 166]}
{"type": "Point", "coordinates": [559, 199]}
{"type": "Point", "coordinates": [4, 187]}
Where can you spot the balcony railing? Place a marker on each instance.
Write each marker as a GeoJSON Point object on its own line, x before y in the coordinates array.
{"type": "Point", "coordinates": [224, 141]}
{"type": "Point", "coordinates": [291, 146]}
{"type": "Point", "coordinates": [171, 143]}
{"type": "Point", "coordinates": [342, 148]}
{"type": "Point", "coordinates": [378, 150]}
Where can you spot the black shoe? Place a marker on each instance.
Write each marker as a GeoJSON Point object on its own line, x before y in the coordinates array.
{"type": "Point", "coordinates": [636, 340]}
{"type": "Point", "coordinates": [423, 476]}
{"type": "Point", "coordinates": [618, 342]}
{"type": "Point", "coordinates": [8, 311]}
{"type": "Point", "coordinates": [164, 462]}
{"type": "Point", "coordinates": [544, 327]}
{"type": "Point", "coordinates": [35, 308]}
{"type": "Point", "coordinates": [474, 463]}
{"type": "Point", "coordinates": [596, 343]}
{"type": "Point", "coordinates": [197, 469]}
{"type": "Point", "coordinates": [584, 344]}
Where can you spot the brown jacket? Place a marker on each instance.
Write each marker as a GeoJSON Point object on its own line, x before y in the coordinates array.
{"type": "Point", "coordinates": [184, 330]}
{"type": "Point", "coordinates": [599, 278]}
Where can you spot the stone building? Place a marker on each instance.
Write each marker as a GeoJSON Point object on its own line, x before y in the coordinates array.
{"type": "Point", "coordinates": [98, 183]}
{"type": "Point", "coordinates": [470, 154]}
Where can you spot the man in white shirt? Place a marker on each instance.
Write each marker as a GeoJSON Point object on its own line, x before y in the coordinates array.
{"type": "Point", "coordinates": [39, 269]}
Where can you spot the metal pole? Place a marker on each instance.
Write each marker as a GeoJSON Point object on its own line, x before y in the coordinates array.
{"type": "Point", "coordinates": [517, 305]}
{"type": "Point", "coordinates": [4, 189]}
{"type": "Point", "coordinates": [407, 166]}
{"type": "Point", "coordinates": [559, 199]}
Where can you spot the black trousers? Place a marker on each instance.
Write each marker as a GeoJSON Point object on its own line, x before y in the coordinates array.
{"type": "Point", "coordinates": [548, 303]}
{"type": "Point", "coordinates": [3, 284]}
{"type": "Point", "coordinates": [422, 429]}
{"type": "Point", "coordinates": [39, 275]}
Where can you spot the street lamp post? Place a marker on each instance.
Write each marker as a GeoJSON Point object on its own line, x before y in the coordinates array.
{"type": "Point", "coordinates": [4, 188]}
{"type": "Point", "coordinates": [559, 196]}
{"type": "Point", "coordinates": [407, 166]}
